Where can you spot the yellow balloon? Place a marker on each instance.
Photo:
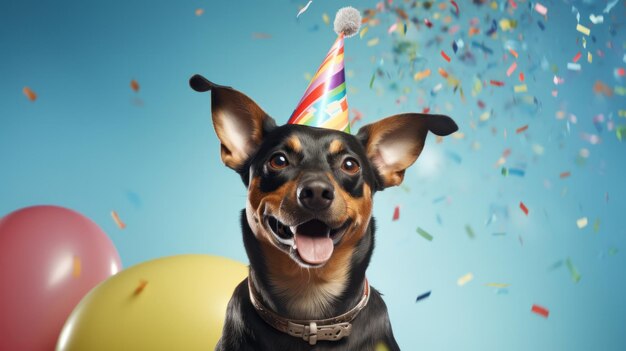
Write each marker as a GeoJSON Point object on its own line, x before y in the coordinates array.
{"type": "Point", "coordinates": [171, 303]}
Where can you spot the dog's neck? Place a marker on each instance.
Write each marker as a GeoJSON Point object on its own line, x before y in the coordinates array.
{"type": "Point", "coordinates": [300, 293]}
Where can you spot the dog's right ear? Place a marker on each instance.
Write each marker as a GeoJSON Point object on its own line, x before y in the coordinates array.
{"type": "Point", "coordinates": [239, 122]}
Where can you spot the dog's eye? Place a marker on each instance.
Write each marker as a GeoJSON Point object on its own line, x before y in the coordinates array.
{"type": "Point", "coordinates": [278, 162]}
{"type": "Point", "coordinates": [350, 165]}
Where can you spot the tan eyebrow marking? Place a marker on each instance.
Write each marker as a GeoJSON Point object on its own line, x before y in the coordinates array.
{"type": "Point", "coordinates": [335, 146]}
{"type": "Point", "coordinates": [294, 143]}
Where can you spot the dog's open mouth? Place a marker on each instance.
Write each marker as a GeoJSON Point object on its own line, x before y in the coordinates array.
{"type": "Point", "coordinates": [313, 241]}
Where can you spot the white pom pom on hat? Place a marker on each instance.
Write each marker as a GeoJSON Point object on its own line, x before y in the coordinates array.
{"type": "Point", "coordinates": [347, 21]}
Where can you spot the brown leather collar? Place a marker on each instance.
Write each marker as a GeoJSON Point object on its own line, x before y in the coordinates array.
{"type": "Point", "coordinates": [331, 329]}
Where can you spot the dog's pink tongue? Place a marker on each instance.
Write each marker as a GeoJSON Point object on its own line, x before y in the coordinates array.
{"type": "Point", "coordinates": [314, 250]}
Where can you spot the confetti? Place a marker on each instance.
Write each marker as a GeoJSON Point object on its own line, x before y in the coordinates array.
{"type": "Point", "coordinates": [364, 31]}
{"type": "Point", "coordinates": [117, 220]}
{"type": "Point", "coordinates": [572, 271]}
{"type": "Point", "coordinates": [596, 19]}
{"type": "Point", "coordinates": [521, 129]}
{"type": "Point", "coordinates": [582, 29]}
{"type": "Point", "coordinates": [134, 85]}
{"type": "Point", "coordinates": [521, 76]}
{"type": "Point", "coordinates": [542, 311]}
{"type": "Point", "coordinates": [511, 69]}
{"type": "Point", "coordinates": [199, 12]}
{"type": "Point", "coordinates": [396, 213]}
{"type": "Point", "coordinates": [306, 7]}
{"type": "Point", "coordinates": [469, 231]}
{"type": "Point", "coordinates": [523, 208]}
{"type": "Point", "coordinates": [497, 285]}
{"type": "Point", "coordinates": [373, 42]}
{"type": "Point", "coordinates": [582, 222]}
{"type": "Point", "coordinates": [601, 88]}
{"type": "Point", "coordinates": [326, 19]}
{"type": "Point", "coordinates": [424, 234]}
{"type": "Point", "coordinates": [392, 28]}
{"type": "Point", "coordinates": [520, 88]}
{"type": "Point", "coordinates": [381, 346]}
{"type": "Point", "coordinates": [456, 7]}
{"type": "Point", "coordinates": [610, 6]}
{"type": "Point", "coordinates": [564, 175]}
{"type": "Point", "coordinates": [259, 35]}
{"type": "Point", "coordinates": [541, 25]}
{"type": "Point", "coordinates": [589, 57]}
{"type": "Point", "coordinates": [496, 83]}
{"type": "Point", "coordinates": [542, 10]}
{"type": "Point", "coordinates": [454, 156]}
{"type": "Point", "coordinates": [577, 57]}
{"type": "Point", "coordinates": [423, 296]}
{"type": "Point", "coordinates": [358, 115]}
{"type": "Point", "coordinates": [513, 171]}
{"type": "Point", "coordinates": [77, 267]}
{"type": "Point", "coordinates": [465, 279]}
{"type": "Point", "coordinates": [573, 66]}
{"type": "Point", "coordinates": [596, 225]}
{"type": "Point", "coordinates": [445, 56]}
{"type": "Point", "coordinates": [140, 287]}
{"type": "Point", "coordinates": [443, 72]}
{"type": "Point", "coordinates": [421, 75]}
{"type": "Point", "coordinates": [555, 265]}
{"type": "Point", "coordinates": [513, 52]}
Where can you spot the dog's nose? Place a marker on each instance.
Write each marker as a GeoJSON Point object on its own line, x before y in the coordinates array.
{"type": "Point", "coordinates": [316, 195]}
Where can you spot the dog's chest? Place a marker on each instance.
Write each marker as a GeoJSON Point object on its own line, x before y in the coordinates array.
{"type": "Point", "coordinates": [308, 297]}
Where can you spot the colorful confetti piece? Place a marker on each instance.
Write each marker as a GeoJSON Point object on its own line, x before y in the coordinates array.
{"type": "Point", "coordinates": [306, 7]}
{"type": "Point", "coordinates": [423, 296]}
{"type": "Point", "coordinates": [445, 56]}
{"type": "Point", "coordinates": [465, 279]}
{"type": "Point", "coordinates": [542, 311]}
{"type": "Point", "coordinates": [140, 287]}
{"type": "Point", "coordinates": [542, 10]}
{"type": "Point", "coordinates": [373, 42]}
{"type": "Point", "coordinates": [511, 69]}
{"type": "Point", "coordinates": [521, 129]}
{"type": "Point", "coordinates": [424, 234]}
{"type": "Point", "coordinates": [583, 29]}
{"type": "Point", "coordinates": [396, 213]}
{"type": "Point", "coordinates": [523, 208]}
{"type": "Point", "coordinates": [117, 220]}
{"type": "Point", "coordinates": [572, 270]}
{"type": "Point", "coordinates": [421, 75]}
{"type": "Point", "coordinates": [134, 85]}
{"type": "Point", "coordinates": [582, 222]}
{"type": "Point", "coordinates": [29, 94]}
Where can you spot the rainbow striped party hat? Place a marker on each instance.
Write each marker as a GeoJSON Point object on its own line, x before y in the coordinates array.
{"type": "Point", "coordinates": [324, 103]}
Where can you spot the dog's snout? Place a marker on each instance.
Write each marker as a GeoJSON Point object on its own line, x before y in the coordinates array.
{"type": "Point", "coordinates": [316, 195]}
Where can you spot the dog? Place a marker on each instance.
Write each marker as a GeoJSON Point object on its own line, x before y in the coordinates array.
{"type": "Point", "coordinates": [307, 226]}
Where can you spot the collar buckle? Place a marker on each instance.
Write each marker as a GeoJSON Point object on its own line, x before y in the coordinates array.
{"type": "Point", "coordinates": [314, 333]}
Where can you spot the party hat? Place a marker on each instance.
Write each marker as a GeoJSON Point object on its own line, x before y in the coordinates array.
{"type": "Point", "coordinates": [324, 103]}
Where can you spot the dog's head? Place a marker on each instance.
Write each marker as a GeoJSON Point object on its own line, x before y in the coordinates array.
{"type": "Point", "coordinates": [310, 189]}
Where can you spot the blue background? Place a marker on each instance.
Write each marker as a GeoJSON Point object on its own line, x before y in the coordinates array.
{"type": "Point", "coordinates": [92, 144]}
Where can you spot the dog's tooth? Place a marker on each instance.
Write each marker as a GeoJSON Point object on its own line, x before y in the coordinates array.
{"type": "Point", "coordinates": [293, 228]}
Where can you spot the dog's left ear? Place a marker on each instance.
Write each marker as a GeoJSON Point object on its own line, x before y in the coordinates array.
{"type": "Point", "coordinates": [239, 122]}
{"type": "Point", "coordinates": [394, 143]}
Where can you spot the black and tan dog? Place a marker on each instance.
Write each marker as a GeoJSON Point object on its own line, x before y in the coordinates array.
{"type": "Point", "coordinates": [307, 226]}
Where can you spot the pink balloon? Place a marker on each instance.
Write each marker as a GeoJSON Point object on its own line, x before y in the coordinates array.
{"type": "Point", "coordinates": [50, 257]}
